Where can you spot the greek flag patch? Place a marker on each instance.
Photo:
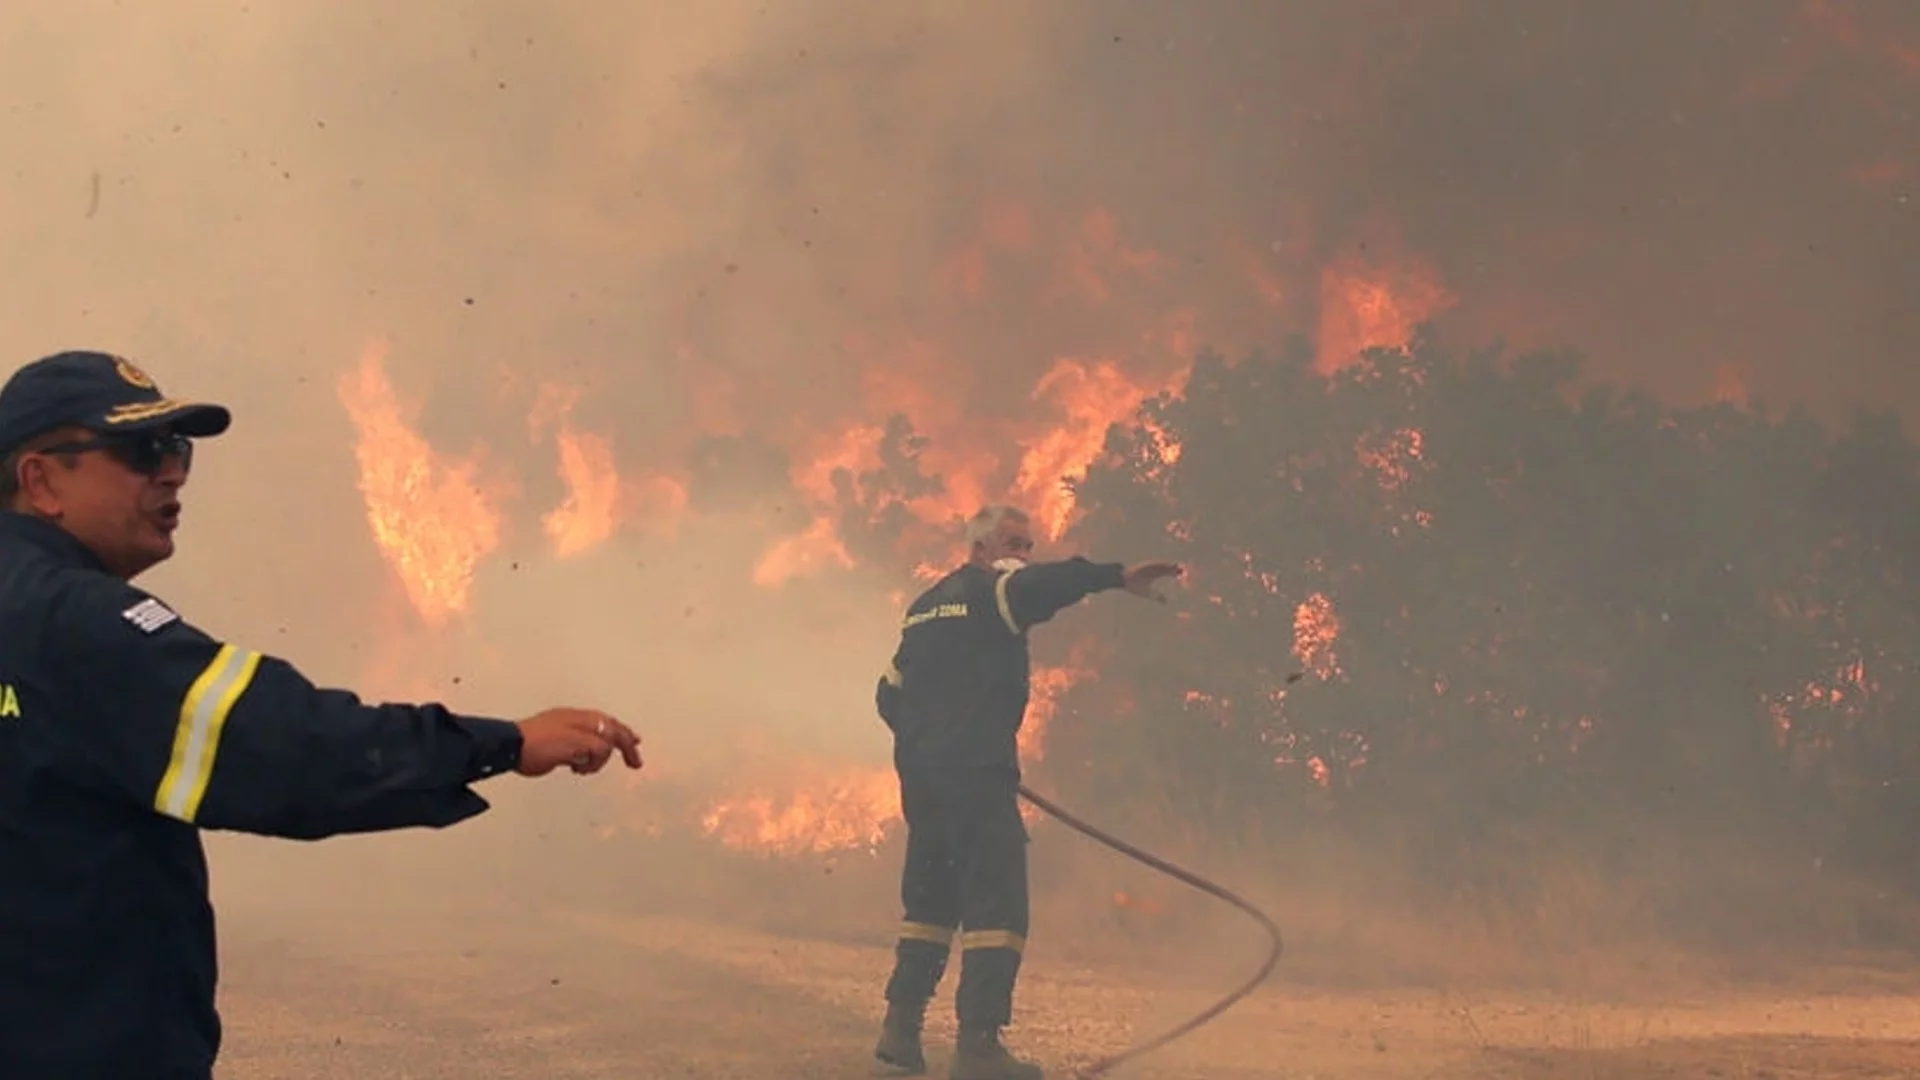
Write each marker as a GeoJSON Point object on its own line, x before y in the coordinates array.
{"type": "Point", "coordinates": [149, 615]}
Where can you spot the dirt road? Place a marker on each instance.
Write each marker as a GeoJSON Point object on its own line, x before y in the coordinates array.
{"type": "Point", "coordinates": [590, 994]}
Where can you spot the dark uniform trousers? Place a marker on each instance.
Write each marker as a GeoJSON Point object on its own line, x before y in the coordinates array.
{"type": "Point", "coordinates": [965, 874]}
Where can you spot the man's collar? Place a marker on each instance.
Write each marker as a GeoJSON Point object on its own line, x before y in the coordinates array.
{"type": "Point", "coordinates": [48, 537]}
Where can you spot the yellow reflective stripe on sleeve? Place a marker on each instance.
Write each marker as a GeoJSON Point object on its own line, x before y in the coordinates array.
{"type": "Point", "coordinates": [196, 739]}
{"type": "Point", "coordinates": [892, 675]}
{"type": "Point", "coordinates": [992, 939]}
{"type": "Point", "coordinates": [1006, 605]}
{"type": "Point", "coordinates": [918, 931]}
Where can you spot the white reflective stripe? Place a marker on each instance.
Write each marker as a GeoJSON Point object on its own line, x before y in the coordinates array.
{"type": "Point", "coordinates": [1006, 606]}
{"type": "Point", "coordinates": [993, 939]}
{"type": "Point", "coordinates": [927, 932]}
{"type": "Point", "coordinates": [196, 738]}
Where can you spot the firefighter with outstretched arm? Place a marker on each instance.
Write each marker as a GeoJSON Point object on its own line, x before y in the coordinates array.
{"type": "Point", "coordinates": [955, 695]}
{"type": "Point", "coordinates": [125, 730]}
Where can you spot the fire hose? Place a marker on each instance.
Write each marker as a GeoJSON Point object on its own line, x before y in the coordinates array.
{"type": "Point", "coordinates": [1274, 950]}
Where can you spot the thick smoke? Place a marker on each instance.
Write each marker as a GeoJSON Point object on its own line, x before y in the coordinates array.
{"type": "Point", "coordinates": [771, 221]}
{"type": "Point", "coordinates": [727, 219]}
{"type": "Point", "coordinates": [1680, 193]}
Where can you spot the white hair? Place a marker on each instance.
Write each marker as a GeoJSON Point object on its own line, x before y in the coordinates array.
{"type": "Point", "coordinates": [981, 526]}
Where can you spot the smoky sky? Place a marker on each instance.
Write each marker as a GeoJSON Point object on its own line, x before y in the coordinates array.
{"type": "Point", "coordinates": [1667, 187]}
{"type": "Point", "coordinates": [774, 220]}
{"type": "Point", "coordinates": [1675, 191]}
{"type": "Point", "coordinates": [771, 221]}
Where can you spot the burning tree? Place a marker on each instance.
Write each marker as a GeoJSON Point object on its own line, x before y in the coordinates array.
{"type": "Point", "coordinates": [1431, 594]}
{"type": "Point", "coordinates": [1452, 595]}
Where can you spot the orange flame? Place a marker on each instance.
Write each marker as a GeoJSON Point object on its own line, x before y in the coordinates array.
{"type": "Point", "coordinates": [1316, 627]}
{"type": "Point", "coordinates": [818, 478]}
{"type": "Point", "coordinates": [1093, 395]}
{"type": "Point", "coordinates": [1847, 692]}
{"type": "Point", "coordinates": [1048, 684]}
{"type": "Point", "coordinates": [589, 514]}
{"type": "Point", "coordinates": [824, 812]}
{"type": "Point", "coordinates": [1367, 307]}
{"type": "Point", "coordinates": [803, 553]}
{"type": "Point", "coordinates": [430, 516]}
{"type": "Point", "coordinates": [434, 523]}
{"type": "Point", "coordinates": [1090, 396]}
{"type": "Point", "coordinates": [1394, 455]}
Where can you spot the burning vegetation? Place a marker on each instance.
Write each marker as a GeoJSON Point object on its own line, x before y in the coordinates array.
{"type": "Point", "coordinates": [1422, 586]}
{"type": "Point", "coordinates": [1432, 592]}
{"type": "Point", "coordinates": [876, 495]}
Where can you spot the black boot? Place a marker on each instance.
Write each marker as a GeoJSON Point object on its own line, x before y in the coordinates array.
{"type": "Point", "coordinates": [899, 1052]}
{"type": "Point", "coordinates": [979, 1055]}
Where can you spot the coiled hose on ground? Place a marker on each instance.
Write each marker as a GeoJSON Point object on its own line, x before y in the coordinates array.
{"type": "Point", "coordinates": [1107, 1064]}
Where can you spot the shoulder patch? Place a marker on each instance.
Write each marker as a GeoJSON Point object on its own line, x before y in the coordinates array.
{"type": "Point", "coordinates": [149, 615]}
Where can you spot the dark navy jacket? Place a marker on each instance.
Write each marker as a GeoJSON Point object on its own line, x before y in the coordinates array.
{"type": "Point", "coordinates": [124, 731]}
{"type": "Point", "coordinates": [956, 692]}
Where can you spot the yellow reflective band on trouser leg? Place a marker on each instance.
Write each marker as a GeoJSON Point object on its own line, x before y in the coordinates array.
{"type": "Point", "coordinates": [919, 931]}
{"type": "Point", "coordinates": [992, 939]}
{"type": "Point", "coordinates": [196, 739]}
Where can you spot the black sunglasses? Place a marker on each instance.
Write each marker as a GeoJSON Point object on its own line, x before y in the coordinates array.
{"type": "Point", "coordinates": [145, 452]}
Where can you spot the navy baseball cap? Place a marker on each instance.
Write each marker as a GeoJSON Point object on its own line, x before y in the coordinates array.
{"type": "Point", "coordinates": [103, 393]}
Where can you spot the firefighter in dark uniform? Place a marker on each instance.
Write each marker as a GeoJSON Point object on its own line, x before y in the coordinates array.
{"type": "Point", "coordinates": [125, 730]}
{"type": "Point", "coordinates": [955, 696]}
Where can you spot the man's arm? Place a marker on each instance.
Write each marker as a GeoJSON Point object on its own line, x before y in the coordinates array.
{"type": "Point", "coordinates": [226, 738]}
{"type": "Point", "coordinates": [1033, 594]}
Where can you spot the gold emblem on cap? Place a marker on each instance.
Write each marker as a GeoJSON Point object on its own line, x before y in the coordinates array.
{"type": "Point", "coordinates": [132, 374]}
{"type": "Point", "coordinates": [146, 410]}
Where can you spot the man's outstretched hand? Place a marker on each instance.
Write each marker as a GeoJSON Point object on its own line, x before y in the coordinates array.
{"type": "Point", "coordinates": [582, 739]}
{"type": "Point", "coordinates": [1141, 578]}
